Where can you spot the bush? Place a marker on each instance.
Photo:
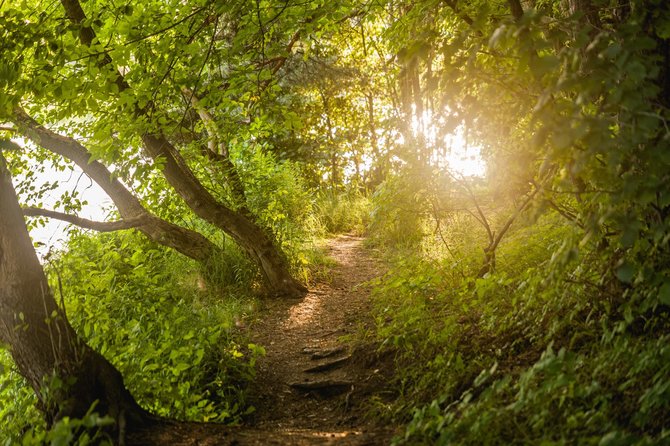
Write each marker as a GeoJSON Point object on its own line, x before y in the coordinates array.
{"type": "Point", "coordinates": [151, 313]}
{"type": "Point", "coordinates": [538, 352]}
{"type": "Point", "coordinates": [18, 413]}
{"type": "Point", "coordinates": [398, 212]}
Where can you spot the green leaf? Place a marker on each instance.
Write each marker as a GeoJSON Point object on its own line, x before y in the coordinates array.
{"type": "Point", "coordinates": [664, 294]}
{"type": "Point", "coordinates": [625, 272]}
{"type": "Point", "coordinates": [497, 36]}
{"type": "Point", "coordinates": [636, 71]}
{"type": "Point", "coordinates": [544, 64]}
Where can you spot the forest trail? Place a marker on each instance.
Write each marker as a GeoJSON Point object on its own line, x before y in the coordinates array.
{"type": "Point", "coordinates": [311, 384]}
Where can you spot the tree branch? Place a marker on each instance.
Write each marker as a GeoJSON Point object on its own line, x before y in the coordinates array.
{"type": "Point", "coordinates": [483, 220]}
{"type": "Point", "coordinates": [186, 241]}
{"type": "Point", "coordinates": [100, 226]}
{"type": "Point", "coordinates": [218, 149]}
{"type": "Point", "coordinates": [454, 7]}
{"type": "Point", "coordinates": [70, 148]}
{"type": "Point", "coordinates": [157, 146]}
{"type": "Point", "coordinates": [6, 144]}
{"type": "Point", "coordinates": [77, 16]}
{"type": "Point", "coordinates": [517, 9]}
{"type": "Point", "coordinates": [513, 217]}
{"type": "Point", "coordinates": [282, 60]}
{"type": "Point", "coordinates": [214, 142]}
{"type": "Point", "coordinates": [490, 250]}
{"type": "Point", "coordinates": [239, 225]}
{"type": "Point", "coordinates": [568, 215]}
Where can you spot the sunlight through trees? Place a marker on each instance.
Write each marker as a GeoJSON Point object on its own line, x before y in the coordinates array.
{"type": "Point", "coordinates": [507, 162]}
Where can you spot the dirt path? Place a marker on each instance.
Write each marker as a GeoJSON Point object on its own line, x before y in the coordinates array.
{"type": "Point", "coordinates": [303, 337]}
{"type": "Point", "coordinates": [311, 384]}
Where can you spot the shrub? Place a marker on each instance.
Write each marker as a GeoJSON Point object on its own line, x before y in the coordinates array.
{"type": "Point", "coordinates": [152, 314]}
{"type": "Point", "coordinates": [542, 351]}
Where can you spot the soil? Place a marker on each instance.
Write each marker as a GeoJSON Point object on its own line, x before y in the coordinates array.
{"type": "Point", "coordinates": [313, 383]}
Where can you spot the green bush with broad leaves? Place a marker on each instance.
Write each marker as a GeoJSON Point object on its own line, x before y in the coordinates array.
{"type": "Point", "coordinates": [278, 195]}
{"type": "Point", "coordinates": [515, 358]}
{"type": "Point", "coordinates": [159, 319]}
{"type": "Point", "coordinates": [84, 431]}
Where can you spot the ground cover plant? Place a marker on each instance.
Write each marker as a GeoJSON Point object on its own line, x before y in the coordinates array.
{"type": "Point", "coordinates": [516, 358]}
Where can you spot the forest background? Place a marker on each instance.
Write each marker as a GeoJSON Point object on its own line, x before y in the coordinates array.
{"type": "Point", "coordinates": [509, 159]}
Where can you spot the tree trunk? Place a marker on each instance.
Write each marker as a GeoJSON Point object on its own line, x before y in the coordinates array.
{"type": "Point", "coordinates": [248, 235]}
{"type": "Point", "coordinates": [334, 164]}
{"type": "Point", "coordinates": [377, 174]}
{"type": "Point", "coordinates": [591, 13]}
{"type": "Point", "coordinates": [44, 346]}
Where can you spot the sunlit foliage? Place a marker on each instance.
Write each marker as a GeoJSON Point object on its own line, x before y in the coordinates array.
{"type": "Point", "coordinates": [528, 288]}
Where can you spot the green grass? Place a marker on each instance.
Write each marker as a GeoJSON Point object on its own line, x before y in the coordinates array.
{"type": "Point", "coordinates": [345, 212]}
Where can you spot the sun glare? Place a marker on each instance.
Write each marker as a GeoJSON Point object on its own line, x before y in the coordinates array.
{"type": "Point", "coordinates": [460, 157]}
{"type": "Point", "coordinates": [453, 151]}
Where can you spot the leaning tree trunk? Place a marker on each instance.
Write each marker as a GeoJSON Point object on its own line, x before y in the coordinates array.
{"type": "Point", "coordinates": [246, 232]}
{"type": "Point", "coordinates": [42, 342]}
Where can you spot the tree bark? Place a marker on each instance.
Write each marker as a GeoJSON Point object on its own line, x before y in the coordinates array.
{"type": "Point", "coordinates": [516, 8]}
{"type": "Point", "coordinates": [489, 264]}
{"type": "Point", "coordinates": [44, 346]}
{"type": "Point", "coordinates": [218, 151]}
{"type": "Point", "coordinates": [591, 13]}
{"type": "Point", "coordinates": [100, 226]}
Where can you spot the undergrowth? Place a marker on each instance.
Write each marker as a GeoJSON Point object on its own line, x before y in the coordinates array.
{"type": "Point", "coordinates": [166, 322]}
{"type": "Point", "coordinates": [163, 321]}
{"type": "Point", "coordinates": [343, 212]}
{"type": "Point", "coordinates": [543, 351]}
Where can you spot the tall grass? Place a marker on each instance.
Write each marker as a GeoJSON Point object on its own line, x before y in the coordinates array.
{"type": "Point", "coordinates": [343, 212]}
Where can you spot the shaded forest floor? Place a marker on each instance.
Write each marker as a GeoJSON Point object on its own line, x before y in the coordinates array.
{"type": "Point", "coordinates": [312, 385]}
